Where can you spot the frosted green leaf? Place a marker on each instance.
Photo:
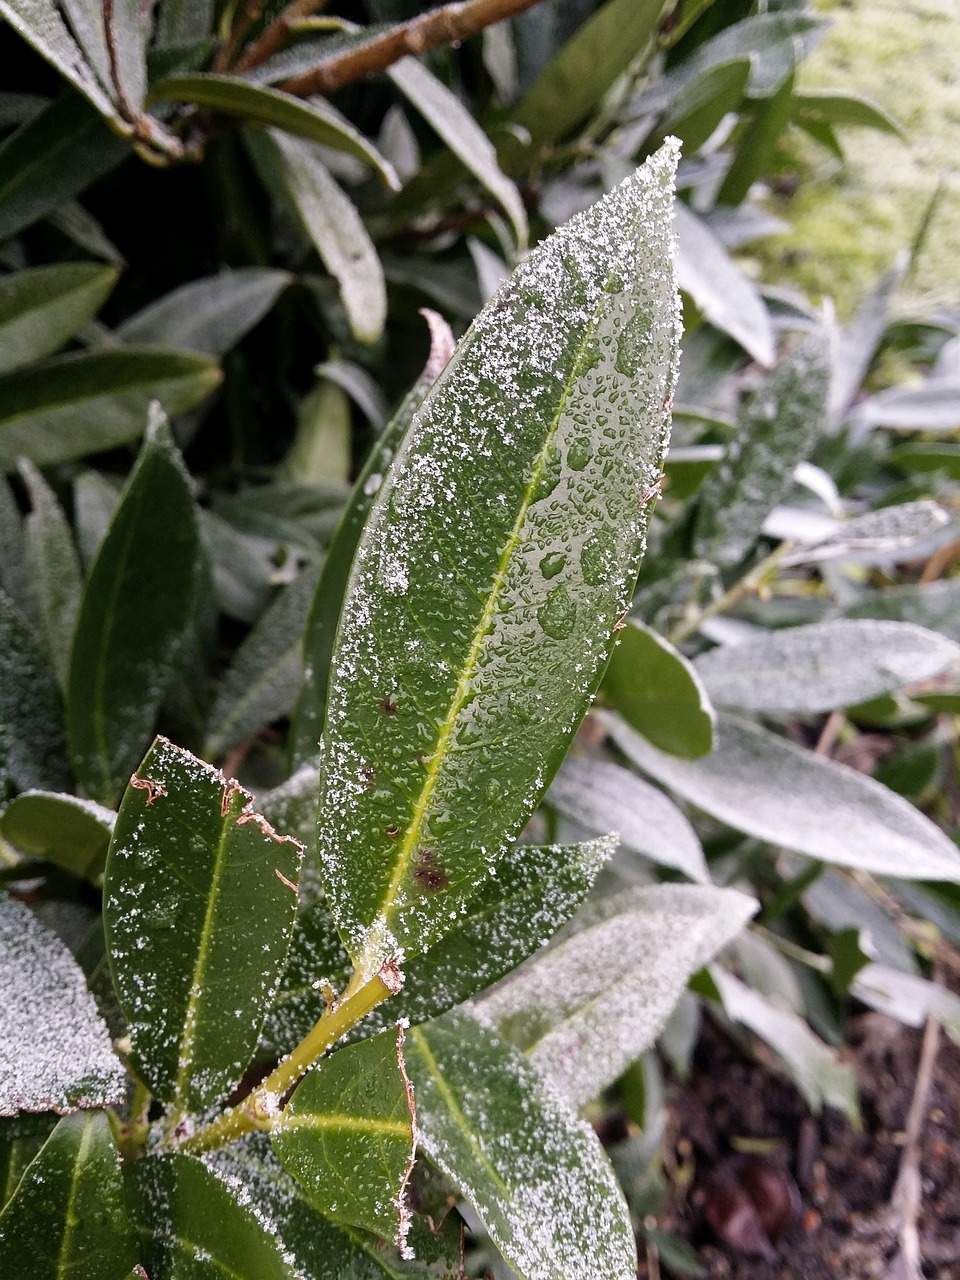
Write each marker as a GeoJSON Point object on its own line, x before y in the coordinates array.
{"type": "Point", "coordinates": [66, 830]}
{"type": "Point", "coordinates": [53, 567]}
{"type": "Point", "coordinates": [535, 1173]}
{"type": "Point", "coordinates": [877, 536]}
{"type": "Point", "coordinates": [499, 553]}
{"type": "Point", "coordinates": [55, 1052]}
{"type": "Point", "coordinates": [935, 406]}
{"type": "Point", "coordinates": [31, 711]}
{"type": "Point", "coordinates": [602, 796]}
{"type": "Point", "coordinates": [590, 1006]}
{"type": "Point", "coordinates": [908, 998]}
{"type": "Point", "coordinates": [765, 786]}
{"type": "Point", "coordinates": [40, 23]}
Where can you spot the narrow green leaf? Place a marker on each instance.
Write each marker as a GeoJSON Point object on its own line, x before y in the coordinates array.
{"type": "Point", "coordinates": [659, 693]}
{"type": "Point", "coordinates": [601, 796]}
{"type": "Point", "coordinates": [263, 681]}
{"type": "Point", "coordinates": [63, 829]}
{"type": "Point", "coordinates": [209, 315]}
{"type": "Point", "coordinates": [86, 232]}
{"type": "Point", "coordinates": [445, 113]}
{"type": "Point", "coordinates": [728, 298]}
{"type": "Point", "coordinates": [192, 1225]}
{"type": "Point", "coordinates": [67, 1217]}
{"type": "Point", "coordinates": [755, 146]}
{"type": "Point", "coordinates": [321, 449]}
{"type": "Point", "coordinates": [200, 899]}
{"type": "Point", "coordinates": [52, 158]}
{"type": "Point", "coordinates": [40, 24]}
{"type": "Point", "coordinates": [498, 554]}
{"type": "Point", "coordinates": [316, 120]}
{"type": "Point", "coordinates": [934, 406]}
{"type": "Point", "coordinates": [80, 404]}
{"type": "Point", "coordinates": [347, 1136]}
{"type": "Point", "coordinates": [858, 343]}
{"type": "Point", "coordinates": [590, 1006]}
{"type": "Point", "coordinates": [331, 221]}
{"type": "Point", "coordinates": [577, 77]}
{"type": "Point", "coordinates": [55, 1052]}
{"type": "Point", "coordinates": [697, 109]}
{"type": "Point", "coordinates": [776, 429]}
{"type": "Point", "coordinates": [54, 569]}
{"type": "Point", "coordinates": [21, 1137]}
{"type": "Point", "coordinates": [928, 457]}
{"type": "Point", "coordinates": [535, 1173]}
{"type": "Point", "coordinates": [815, 1068]}
{"type": "Point", "coordinates": [845, 109]}
{"type": "Point", "coordinates": [325, 612]}
{"type": "Point", "coordinates": [129, 27]}
{"type": "Point", "coordinates": [535, 892]}
{"type": "Point", "coordinates": [135, 608]}
{"type": "Point", "coordinates": [31, 711]}
{"type": "Point", "coordinates": [829, 664]}
{"type": "Point", "coordinates": [759, 783]}
{"type": "Point", "coordinates": [42, 307]}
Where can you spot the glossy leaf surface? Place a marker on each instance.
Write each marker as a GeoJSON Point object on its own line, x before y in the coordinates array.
{"type": "Point", "coordinates": [53, 567]}
{"type": "Point", "coordinates": [347, 1136]}
{"type": "Point", "coordinates": [764, 785]}
{"type": "Point", "coordinates": [492, 569]}
{"type": "Point", "coordinates": [70, 832]}
{"type": "Point", "coordinates": [590, 1006]}
{"type": "Point", "coordinates": [531, 1168]}
{"type": "Point", "coordinates": [67, 1217]}
{"type": "Point", "coordinates": [79, 404]}
{"type": "Point", "coordinates": [42, 307]}
{"type": "Point", "coordinates": [134, 610]}
{"type": "Point", "coordinates": [221, 889]}
{"type": "Point", "coordinates": [55, 1052]}
{"type": "Point", "coordinates": [33, 752]}
{"type": "Point", "coordinates": [659, 693]}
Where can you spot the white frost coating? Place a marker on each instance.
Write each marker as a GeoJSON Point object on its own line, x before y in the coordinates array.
{"type": "Point", "coordinates": [829, 664]}
{"type": "Point", "coordinates": [767, 787]}
{"type": "Point", "coordinates": [510, 524]}
{"type": "Point", "coordinates": [590, 1006]}
{"type": "Point", "coordinates": [601, 796]}
{"type": "Point", "coordinates": [55, 1052]}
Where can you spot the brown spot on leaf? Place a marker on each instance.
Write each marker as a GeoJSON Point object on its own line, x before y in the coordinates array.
{"type": "Point", "coordinates": [388, 707]}
{"type": "Point", "coordinates": [428, 872]}
{"type": "Point", "coordinates": [152, 788]}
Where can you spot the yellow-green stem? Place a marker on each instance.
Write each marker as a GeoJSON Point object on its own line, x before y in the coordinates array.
{"type": "Point", "coordinates": [747, 585]}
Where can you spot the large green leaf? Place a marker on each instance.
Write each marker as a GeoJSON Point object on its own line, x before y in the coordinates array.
{"type": "Point", "coordinates": [51, 158]}
{"type": "Point", "coordinates": [535, 892]}
{"type": "Point", "coordinates": [325, 611]}
{"type": "Point", "coordinates": [316, 120]}
{"type": "Point", "coordinates": [829, 664]}
{"type": "Point", "coordinates": [200, 900]}
{"type": "Point", "coordinates": [135, 607]}
{"type": "Point", "coordinates": [21, 1137]}
{"type": "Point", "coordinates": [67, 1217]}
{"type": "Point", "coordinates": [347, 1136]}
{"type": "Point", "coordinates": [590, 1006]}
{"type": "Point", "coordinates": [84, 403]}
{"type": "Point", "coordinates": [762, 784]}
{"type": "Point", "coordinates": [42, 307]}
{"type": "Point", "coordinates": [531, 1168]}
{"type": "Point", "coordinates": [656, 690]}
{"type": "Point", "coordinates": [776, 430]}
{"type": "Point", "coordinates": [31, 711]}
{"type": "Point", "coordinates": [697, 108]}
{"type": "Point", "coordinates": [53, 567]}
{"type": "Point", "coordinates": [70, 832]}
{"type": "Point", "coordinates": [193, 1227]}
{"type": "Point", "coordinates": [40, 23]}
{"type": "Point", "coordinates": [55, 1052]}
{"type": "Point", "coordinates": [331, 221]}
{"type": "Point", "coordinates": [498, 555]}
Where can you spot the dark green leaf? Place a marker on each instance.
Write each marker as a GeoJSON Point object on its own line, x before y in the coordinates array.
{"type": "Point", "coordinates": [533, 1170]}
{"type": "Point", "coordinates": [590, 1006]}
{"type": "Point", "coordinates": [697, 109]}
{"type": "Point", "coordinates": [55, 1052]}
{"type": "Point", "coordinates": [63, 829]}
{"type": "Point", "coordinates": [40, 23]}
{"type": "Point", "coordinates": [31, 712]}
{"type": "Point", "coordinates": [210, 315]}
{"type": "Point", "coordinates": [181, 22]}
{"type": "Point", "coordinates": [52, 158]}
{"type": "Point", "coordinates": [316, 120]}
{"type": "Point", "coordinates": [86, 232]}
{"type": "Point", "coordinates": [54, 569]}
{"type": "Point", "coordinates": [13, 554]}
{"type": "Point", "coordinates": [847, 958]}
{"type": "Point", "coordinates": [497, 557]}
{"type": "Point", "coordinates": [200, 901]}
{"type": "Point", "coordinates": [347, 1136]}
{"type": "Point", "coordinates": [751, 159]}
{"type": "Point", "coordinates": [193, 1227]}
{"type": "Point", "coordinates": [776, 430]}
{"type": "Point", "coordinates": [43, 307]}
{"type": "Point", "coordinates": [134, 610]}
{"type": "Point", "coordinates": [21, 1137]}
{"type": "Point", "coordinates": [844, 109]}
{"type": "Point", "coordinates": [67, 1217]}
{"type": "Point", "coordinates": [928, 457]}
{"type": "Point", "coordinates": [659, 693]}
{"type": "Point", "coordinates": [80, 404]}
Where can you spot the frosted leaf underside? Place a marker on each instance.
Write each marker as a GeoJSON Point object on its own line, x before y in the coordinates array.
{"type": "Point", "coordinates": [501, 549]}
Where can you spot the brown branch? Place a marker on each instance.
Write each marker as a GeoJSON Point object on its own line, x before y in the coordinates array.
{"type": "Point", "coordinates": [450, 24]}
{"type": "Point", "coordinates": [243, 21]}
{"type": "Point", "coordinates": [277, 34]}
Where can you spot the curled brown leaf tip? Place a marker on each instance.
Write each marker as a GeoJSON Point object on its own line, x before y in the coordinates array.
{"type": "Point", "coordinates": [152, 788]}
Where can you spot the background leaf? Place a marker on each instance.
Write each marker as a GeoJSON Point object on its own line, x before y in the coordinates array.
{"type": "Point", "coordinates": [31, 712]}
{"type": "Point", "coordinates": [70, 832]}
{"type": "Point", "coordinates": [54, 569]}
{"type": "Point", "coordinates": [42, 307]}
{"type": "Point", "coordinates": [41, 25]}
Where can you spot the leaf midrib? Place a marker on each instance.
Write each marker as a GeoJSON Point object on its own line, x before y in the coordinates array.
{"type": "Point", "coordinates": [63, 1258]}
{"type": "Point", "coordinates": [333, 1120]}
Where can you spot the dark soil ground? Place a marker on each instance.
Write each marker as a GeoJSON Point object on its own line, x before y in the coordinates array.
{"type": "Point", "coordinates": [842, 1228]}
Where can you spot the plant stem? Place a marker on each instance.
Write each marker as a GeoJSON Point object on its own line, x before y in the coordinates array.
{"type": "Point", "coordinates": [747, 585]}
{"type": "Point", "coordinates": [450, 24]}
{"type": "Point", "coordinates": [261, 1107]}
